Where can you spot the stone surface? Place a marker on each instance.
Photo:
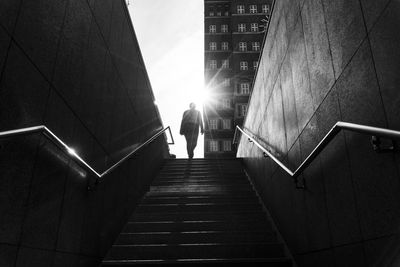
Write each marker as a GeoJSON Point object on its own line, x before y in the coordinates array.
{"type": "Point", "coordinates": [385, 42]}
{"type": "Point", "coordinates": [44, 17]}
{"type": "Point", "coordinates": [4, 45]}
{"type": "Point", "coordinates": [352, 255]}
{"type": "Point", "coordinates": [8, 254]}
{"type": "Point", "coordinates": [23, 93]}
{"type": "Point", "coordinates": [373, 10]}
{"type": "Point", "coordinates": [318, 51]}
{"type": "Point", "coordinates": [9, 11]}
{"type": "Point", "coordinates": [34, 257]}
{"type": "Point", "coordinates": [346, 30]}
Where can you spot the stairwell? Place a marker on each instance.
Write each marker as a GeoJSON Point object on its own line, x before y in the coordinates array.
{"type": "Point", "coordinates": [199, 212]}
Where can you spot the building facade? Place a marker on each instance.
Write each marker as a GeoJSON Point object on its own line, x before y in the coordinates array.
{"type": "Point", "coordinates": [234, 32]}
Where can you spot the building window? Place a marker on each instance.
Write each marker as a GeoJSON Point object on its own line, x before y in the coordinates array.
{"type": "Point", "coordinates": [242, 46]}
{"type": "Point", "coordinates": [226, 13]}
{"type": "Point", "coordinates": [255, 46]}
{"type": "Point", "coordinates": [241, 110]}
{"type": "Point", "coordinates": [213, 64]}
{"type": "Point", "coordinates": [224, 28]}
{"type": "Point", "coordinates": [226, 145]}
{"type": "Point", "coordinates": [212, 28]}
{"type": "Point", "coordinates": [244, 89]}
{"type": "Point", "coordinates": [213, 124]}
{"type": "Point", "coordinates": [211, 14]}
{"type": "Point", "coordinates": [226, 82]}
{"type": "Point", "coordinates": [219, 14]}
{"type": "Point", "coordinates": [225, 103]}
{"type": "Point", "coordinates": [240, 9]}
{"type": "Point", "coordinates": [213, 46]}
{"type": "Point", "coordinates": [225, 46]}
{"type": "Point", "coordinates": [255, 65]}
{"type": "Point", "coordinates": [225, 64]}
{"type": "Point", "coordinates": [241, 27]}
{"type": "Point", "coordinates": [253, 9]}
{"type": "Point", "coordinates": [254, 27]}
{"type": "Point", "coordinates": [265, 9]}
{"type": "Point", "coordinates": [226, 124]}
{"type": "Point", "coordinates": [244, 65]}
{"type": "Point", "coordinates": [213, 146]}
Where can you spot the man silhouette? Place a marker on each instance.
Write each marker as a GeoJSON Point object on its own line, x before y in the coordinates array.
{"type": "Point", "coordinates": [191, 121]}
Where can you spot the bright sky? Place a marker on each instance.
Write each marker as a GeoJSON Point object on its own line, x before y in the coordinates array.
{"type": "Point", "coordinates": [170, 35]}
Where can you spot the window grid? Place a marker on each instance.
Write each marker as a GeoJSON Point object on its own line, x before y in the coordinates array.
{"type": "Point", "coordinates": [225, 103]}
{"type": "Point", "coordinates": [242, 46]}
{"type": "Point", "coordinates": [226, 145]}
{"type": "Point", "coordinates": [226, 124]}
{"type": "Point", "coordinates": [212, 28]}
{"type": "Point", "coordinates": [240, 9]}
{"type": "Point", "coordinates": [244, 88]}
{"type": "Point", "coordinates": [254, 27]}
{"type": "Point", "coordinates": [253, 9]}
{"type": "Point", "coordinates": [241, 27]}
{"type": "Point", "coordinates": [213, 46]}
{"type": "Point", "coordinates": [242, 110]}
{"type": "Point", "coordinates": [265, 8]}
{"type": "Point", "coordinates": [211, 14]}
{"type": "Point", "coordinates": [213, 146]}
{"type": "Point", "coordinates": [255, 65]}
{"type": "Point", "coordinates": [213, 124]}
{"type": "Point", "coordinates": [226, 82]}
{"type": "Point", "coordinates": [225, 46]}
{"type": "Point", "coordinates": [224, 28]}
{"type": "Point", "coordinates": [255, 46]}
{"type": "Point", "coordinates": [213, 64]}
{"type": "Point", "coordinates": [225, 64]}
{"type": "Point", "coordinates": [244, 65]}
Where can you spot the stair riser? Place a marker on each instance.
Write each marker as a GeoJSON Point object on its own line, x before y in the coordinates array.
{"type": "Point", "coordinates": [185, 238]}
{"type": "Point", "coordinates": [219, 201]}
{"type": "Point", "coordinates": [193, 216]}
{"type": "Point", "coordinates": [190, 227]}
{"type": "Point", "coordinates": [195, 208]}
{"type": "Point", "coordinates": [197, 252]}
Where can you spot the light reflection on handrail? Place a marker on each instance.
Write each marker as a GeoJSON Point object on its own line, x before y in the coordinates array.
{"type": "Point", "coordinates": [48, 133]}
{"type": "Point", "coordinates": [375, 131]}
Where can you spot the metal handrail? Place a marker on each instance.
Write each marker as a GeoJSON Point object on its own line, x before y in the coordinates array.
{"type": "Point", "coordinates": [375, 131]}
{"type": "Point", "coordinates": [48, 133]}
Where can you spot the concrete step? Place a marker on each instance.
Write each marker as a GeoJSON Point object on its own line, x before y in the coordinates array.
{"type": "Point", "coordinates": [198, 237]}
{"type": "Point", "coordinates": [190, 226]}
{"type": "Point", "coordinates": [198, 207]}
{"type": "Point", "coordinates": [258, 262]}
{"type": "Point", "coordinates": [195, 251]}
{"type": "Point", "coordinates": [200, 199]}
{"type": "Point", "coordinates": [197, 216]}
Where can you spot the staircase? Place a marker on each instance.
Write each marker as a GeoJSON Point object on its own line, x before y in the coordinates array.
{"type": "Point", "coordinates": [199, 212]}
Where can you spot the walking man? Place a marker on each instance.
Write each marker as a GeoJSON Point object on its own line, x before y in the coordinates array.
{"type": "Point", "coordinates": [190, 124]}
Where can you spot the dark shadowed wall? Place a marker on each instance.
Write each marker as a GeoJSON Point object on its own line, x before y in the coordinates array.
{"type": "Point", "coordinates": [74, 66]}
{"type": "Point", "coordinates": [326, 61]}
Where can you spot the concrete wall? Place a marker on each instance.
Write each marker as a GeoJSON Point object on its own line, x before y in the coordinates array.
{"type": "Point", "coordinates": [74, 66]}
{"type": "Point", "coordinates": [326, 61]}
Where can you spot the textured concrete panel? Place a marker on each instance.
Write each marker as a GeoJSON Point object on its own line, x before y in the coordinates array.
{"type": "Point", "coordinates": [376, 185]}
{"type": "Point", "coordinates": [301, 81]}
{"type": "Point", "coordinates": [383, 251]}
{"type": "Point", "coordinates": [8, 254]}
{"type": "Point", "coordinates": [373, 10]}
{"type": "Point", "coordinates": [17, 162]}
{"type": "Point", "coordinates": [346, 30]}
{"type": "Point", "coordinates": [41, 222]}
{"type": "Point", "coordinates": [350, 256]}
{"type": "Point", "coordinates": [9, 11]}
{"type": "Point", "coordinates": [23, 93]}
{"type": "Point", "coordinates": [4, 45]}
{"type": "Point", "coordinates": [358, 85]}
{"type": "Point", "coordinates": [102, 11]}
{"type": "Point", "coordinates": [67, 260]}
{"type": "Point", "coordinates": [34, 257]}
{"type": "Point", "coordinates": [318, 258]}
{"type": "Point", "coordinates": [341, 201]}
{"type": "Point", "coordinates": [289, 103]}
{"type": "Point", "coordinates": [47, 18]}
{"type": "Point", "coordinates": [317, 48]}
{"type": "Point", "coordinates": [385, 41]}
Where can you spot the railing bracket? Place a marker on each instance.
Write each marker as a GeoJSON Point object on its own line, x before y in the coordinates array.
{"type": "Point", "coordinates": [378, 147]}
{"type": "Point", "coordinates": [265, 155]}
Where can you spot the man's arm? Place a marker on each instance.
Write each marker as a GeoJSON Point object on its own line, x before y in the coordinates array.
{"type": "Point", "coordinates": [201, 123]}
